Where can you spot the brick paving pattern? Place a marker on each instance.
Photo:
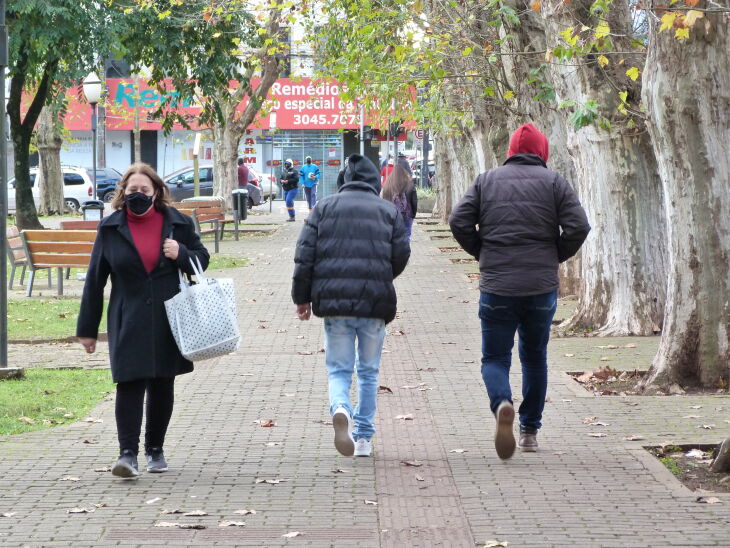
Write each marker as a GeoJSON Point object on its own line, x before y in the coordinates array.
{"type": "Point", "coordinates": [576, 491]}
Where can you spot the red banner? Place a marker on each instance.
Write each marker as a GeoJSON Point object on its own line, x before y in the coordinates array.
{"type": "Point", "coordinates": [301, 104]}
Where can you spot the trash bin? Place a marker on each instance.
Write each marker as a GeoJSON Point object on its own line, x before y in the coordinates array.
{"type": "Point", "coordinates": [240, 203]}
{"type": "Point", "coordinates": [93, 210]}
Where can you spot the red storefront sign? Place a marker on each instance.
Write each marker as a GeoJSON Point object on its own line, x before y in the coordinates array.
{"type": "Point", "coordinates": [302, 104]}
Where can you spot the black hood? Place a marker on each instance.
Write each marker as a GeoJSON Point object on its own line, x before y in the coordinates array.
{"type": "Point", "coordinates": [361, 169]}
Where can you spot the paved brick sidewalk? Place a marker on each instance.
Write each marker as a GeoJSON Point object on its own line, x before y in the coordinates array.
{"type": "Point", "coordinates": [578, 490]}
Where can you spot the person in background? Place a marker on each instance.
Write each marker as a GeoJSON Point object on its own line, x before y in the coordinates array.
{"type": "Point", "coordinates": [399, 189]}
{"type": "Point", "coordinates": [289, 182]}
{"type": "Point", "coordinates": [351, 248]}
{"type": "Point", "coordinates": [386, 171]}
{"type": "Point", "coordinates": [243, 174]}
{"type": "Point", "coordinates": [308, 178]}
{"type": "Point", "coordinates": [404, 163]}
{"type": "Point", "coordinates": [520, 220]}
{"type": "Point", "coordinates": [140, 246]}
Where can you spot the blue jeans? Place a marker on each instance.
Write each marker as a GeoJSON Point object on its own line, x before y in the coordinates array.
{"type": "Point", "coordinates": [343, 356]}
{"type": "Point", "coordinates": [289, 196]}
{"type": "Point", "coordinates": [311, 194]}
{"type": "Point", "coordinates": [531, 318]}
{"type": "Point", "coordinates": [409, 227]}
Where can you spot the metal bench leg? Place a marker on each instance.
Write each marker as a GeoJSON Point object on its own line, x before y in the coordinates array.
{"type": "Point", "coordinates": [12, 276]}
{"type": "Point", "coordinates": [68, 273]}
{"type": "Point", "coordinates": [22, 274]}
{"type": "Point", "coordinates": [60, 281]}
{"type": "Point", "coordinates": [50, 278]}
{"type": "Point", "coordinates": [235, 223]}
{"type": "Point", "coordinates": [29, 287]}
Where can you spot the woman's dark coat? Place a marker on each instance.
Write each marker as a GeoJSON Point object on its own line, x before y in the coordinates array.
{"type": "Point", "coordinates": [141, 345]}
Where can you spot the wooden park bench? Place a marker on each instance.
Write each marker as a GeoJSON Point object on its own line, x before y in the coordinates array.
{"type": "Point", "coordinates": [16, 255]}
{"type": "Point", "coordinates": [208, 215]}
{"type": "Point", "coordinates": [79, 225]}
{"type": "Point", "coordinates": [56, 249]}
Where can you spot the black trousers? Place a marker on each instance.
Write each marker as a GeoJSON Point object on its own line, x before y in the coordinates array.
{"type": "Point", "coordinates": [129, 406]}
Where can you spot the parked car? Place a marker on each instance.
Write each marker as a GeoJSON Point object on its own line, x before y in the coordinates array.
{"type": "Point", "coordinates": [77, 187]}
{"type": "Point", "coordinates": [106, 182]}
{"type": "Point", "coordinates": [267, 184]}
{"type": "Point", "coordinates": [181, 185]}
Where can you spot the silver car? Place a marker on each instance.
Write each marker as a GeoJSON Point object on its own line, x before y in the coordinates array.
{"type": "Point", "coordinates": [181, 185]}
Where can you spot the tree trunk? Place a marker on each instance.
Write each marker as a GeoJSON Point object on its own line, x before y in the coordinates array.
{"type": "Point", "coordinates": [225, 154]}
{"type": "Point", "coordinates": [623, 287]}
{"type": "Point", "coordinates": [722, 458]}
{"type": "Point", "coordinates": [50, 180]}
{"type": "Point", "coordinates": [687, 92]}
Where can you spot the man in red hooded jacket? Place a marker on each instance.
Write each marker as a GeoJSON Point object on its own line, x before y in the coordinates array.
{"type": "Point", "coordinates": [520, 220]}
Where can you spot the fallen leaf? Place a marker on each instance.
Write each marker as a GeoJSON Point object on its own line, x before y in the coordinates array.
{"type": "Point", "coordinates": [92, 419]}
{"type": "Point", "coordinates": [459, 450]}
{"type": "Point", "coordinates": [598, 424]}
{"type": "Point", "coordinates": [300, 336]}
{"type": "Point", "coordinates": [496, 543]}
{"type": "Point", "coordinates": [412, 462]}
{"type": "Point", "coordinates": [558, 452]}
{"type": "Point", "coordinates": [634, 438]}
{"type": "Point", "coordinates": [387, 389]}
{"type": "Point", "coordinates": [192, 526]}
{"type": "Point", "coordinates": [324, 422]}
{"type": "Point", "coordinates": [8, 514]}
{"type": "Point", "coordinates": [695, 407]}
{"type": "Point", "coordinates": [468, 361]}
{"type": "Point", "coordinates": [293, 534]}
{"type": "Point", "coordinates": [566, 401]}
{"type": "Point", "coordinates": [166, 524]}
{"type": "Point", "coordinates": [407, 417]}
{"type": "Point", "coordinates": [273, 443]}
{"type": "Point", "coordinates": [706, 426]}
{"type": "Point", "coordinates": [68, 415]}
{"type": "Point", "coordinates": [695, 454]}
{"type": "Point", "coordinates": [371, 502]}
{"type": "Point", "coordinates": [570, 355]}
{"type": "Point", "coordinates": [104, 469]}
{"type": "Point", "coordinates": [589, 420]}
{"type": "Point", "coordinates": [692, 417]}
{"type": "Point", "coordinates": [173, 511]}
{"type": "Point", "coordinates": [261, 327]}
{"type": "Point", "coordinates": [339, 471]}
{"type": "Point", "coordinates": [585, 377]}
{"type": "Point", "coordinates": [305, 352]}
{"type": "Point", "coordinates": [419, 478]}
{"type": "Point", "coordinates": [68, 478]}
{"type": "Point", "coordinates": [268, 423]}
{"type": "Point", "coordinates": [90, 442]}
{"type": "Point", "coordinates": [26, 420]}
{"type": "Point", "coordinates": [630, 345]}
{"type": "Point", "coordinates": [196, 513]}
{"type": "Point", "coordinates": [708, 500]}
{"type": "Point", "coordinates": [223, 523]}
{"type": "Point", "coordinates": [80, 510]}
{"type": "Point", "coordinates": [154, 500]}
{"type": "Point", "coordinates": [244, 512]}
{"type": "Point", "coordinates": [597, 434]}
{"type": "Point", "coordinates": [269, 481]}
{"type": "Point", "coordinates": [289, 395]}
{"type": "Point", "coordinates": [101, 505]}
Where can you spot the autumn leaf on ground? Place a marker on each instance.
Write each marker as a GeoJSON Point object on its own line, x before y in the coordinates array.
{"type": "Point", "coordinates": [244, 512]}
{"type": "Point", "coordinates": [104, 469]}
{"type": "Point", "coordinates": [223, 523]}
{"type": "Point", "coordinates": [192, 526]}
{"type": "Point", "coordinates": [92, 419]}
{"type": "Point", "coordinates": [305, 352]}
{"type": "Point", "coordinates": [274, 481]}
{"type": "Point", "coordinates": [408, 417]}
{"type": "Point", "coordinates": [630, 345]}
{"type": "Point", "coordinates": [265, 423]}
{"type": "Point", "coordinates": [8, 514]}
{"type": "Point", "coordinates": [536, 6]}
{"type": "Point", "coordinates": [708, 500]}
{"type": "Point", "coordinates": [634, 438]}
{"type": "Point", "coordinates": [339, 471]}
{"type": "Point", "coordinates": [371, 502]}
{"type": "Point", "coordinates": [495, 543]}
{"type": "Point", "coordinates": [90, 442]}
{"type": "Point", "coordinates": [196, 513]}
{"type": "Point", "coordinates": [695, 454]}
{"type": "Point", "coordinates": [26, 420]}
{"type": "Point", "coordinates": [569, 355]}
{"type": "Point", "coordinates": [172, 511]}
{"type": "Point", "coordinates": [81, 510]}
{"type": "Point", "coordinates": [68, 478]}
{"type": "Point", "coordinates": [419, 478]}
{"type": "Point", "coordinates": [415, 463]}
{"type": "Point", "coordinates": [589, 420]}
{"type": "Point", "coordinates": [293, 534]}
{"type": "Point", "coordinates": [597, 434]}
{"type": "Point", "coordinates": [273, 443]}
{"type": "Point", "coordinates": [154, 500]}
{"type": "Point", "coordinates": [459, 450]}
{"type": "Point", "coordinates": [706, 426]}
{"type": "Point", "coordinates": [387, 389]}
{"type": "Point", "coordinates": [596, 423]}
{"type": "Point", "coordinates": [695, 407]}
{"type": "Point", "coordinates": [165, 524]}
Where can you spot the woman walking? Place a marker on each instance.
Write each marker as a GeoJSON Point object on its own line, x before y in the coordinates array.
{"type": "Point", "coordinates": [140, 246]}
{"type": "Point", "coordinates": [399, 189]}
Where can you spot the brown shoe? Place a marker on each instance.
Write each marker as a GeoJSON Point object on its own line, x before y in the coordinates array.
{"type": "Point", "coordinates": [528, 442]}
{"type": "Point", "coordinates": [504, 437]}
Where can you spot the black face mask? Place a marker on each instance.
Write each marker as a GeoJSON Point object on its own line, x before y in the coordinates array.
{"type": "Point", "coordinates": [138, 202]}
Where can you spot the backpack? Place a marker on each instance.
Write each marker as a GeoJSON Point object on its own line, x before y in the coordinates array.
{"type": "Point", "coordinates": [402, 205]}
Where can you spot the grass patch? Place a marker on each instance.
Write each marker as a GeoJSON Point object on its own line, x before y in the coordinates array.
{"type": "Point", "coordinates": [46, 318]}
{"type": "Point", "coordinates": [46, 398]}
{"type": "Point", "coordinates": [219, 262]}
{"type": "Point", "coordinates": [671, 465]}
{"type": "Point", "coordinates": [425, 192]}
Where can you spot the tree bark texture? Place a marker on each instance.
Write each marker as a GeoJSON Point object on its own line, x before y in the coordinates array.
{"type": "Point", "coordinates": [50, 180]}
{"type": "Point", "coordinates": [623, 281]}
{"type": "Point", "coordinates": [687, 92]}
{"type": "Point", "coordinates": [225, 154]}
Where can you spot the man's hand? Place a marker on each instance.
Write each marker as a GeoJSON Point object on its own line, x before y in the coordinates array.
{"type": "Point", "coordinates": [304, 311]}
{"type": "Point", "coordinates": [88, 343]}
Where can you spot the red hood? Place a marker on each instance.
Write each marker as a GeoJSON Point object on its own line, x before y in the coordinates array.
{"type": "Point", "coordinates": [528, 140]}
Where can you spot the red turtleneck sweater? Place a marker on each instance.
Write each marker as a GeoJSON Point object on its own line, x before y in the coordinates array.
{"type": "Point", "coordinates": [147, 235]}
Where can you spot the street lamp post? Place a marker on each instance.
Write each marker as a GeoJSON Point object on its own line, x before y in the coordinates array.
{"type": "Point", "coordinates": [92, 91]}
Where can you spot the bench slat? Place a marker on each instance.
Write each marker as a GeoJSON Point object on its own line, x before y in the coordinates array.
{"type": "Point", "coordinates": [60, 247]}
{"type": "Point", "coordinates": [60, 235]}
{"type": "Point", "coordinates": [79, 225]}
{"type": "Point", "coordinates": [49, 260]}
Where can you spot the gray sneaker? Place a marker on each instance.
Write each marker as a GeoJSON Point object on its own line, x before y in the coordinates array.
{"type": "Point", "coordinates": [156, 462]}
{"type": "Point", "coordinates": [126, 465]}
{"type": "Point", "coordinates": [504, 437]}
{"type": "Point", "coordinates": [528, 442]}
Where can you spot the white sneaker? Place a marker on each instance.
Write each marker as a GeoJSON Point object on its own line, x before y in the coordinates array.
{"type": "Point", "coordinates": [342, 423]}
{"type": "Point", "coordinates": [363, 448]}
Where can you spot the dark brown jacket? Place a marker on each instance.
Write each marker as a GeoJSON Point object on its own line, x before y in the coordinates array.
{"type": "Point", "coordinates": [520, 220]}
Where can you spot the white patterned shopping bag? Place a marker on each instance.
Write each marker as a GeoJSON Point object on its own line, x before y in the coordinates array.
{"type": "Point", "coordinates": [203, 317]}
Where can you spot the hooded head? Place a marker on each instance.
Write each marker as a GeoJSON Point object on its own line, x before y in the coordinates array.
{"type": "Point", "coordinates": [359, 168]}
{"type": "Point", "coordinates": [288, 163]}
{"type": "Point", "coordinates": [528, 140]}
{"type": "Point", "coordinates": [308, 159]}
{"type": "Point", "coordinates": [240, 161]}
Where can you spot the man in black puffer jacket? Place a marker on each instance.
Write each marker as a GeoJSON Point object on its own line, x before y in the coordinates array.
{"type": "Point", "coordinates": [351, 248]}
{"type": "Point", "coordinates": [520, 221]}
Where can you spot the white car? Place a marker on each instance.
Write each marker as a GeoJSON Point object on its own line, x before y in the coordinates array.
{"type": "Point", "coordinates": [77, 187]}
{"type": "Point", "coordinates": [267, 183]}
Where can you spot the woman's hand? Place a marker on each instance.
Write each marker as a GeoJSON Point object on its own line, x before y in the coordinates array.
{"type": "Point", "coordinates": [88, 343]}
{"type": "Point", "coordinates": [170, 248]}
